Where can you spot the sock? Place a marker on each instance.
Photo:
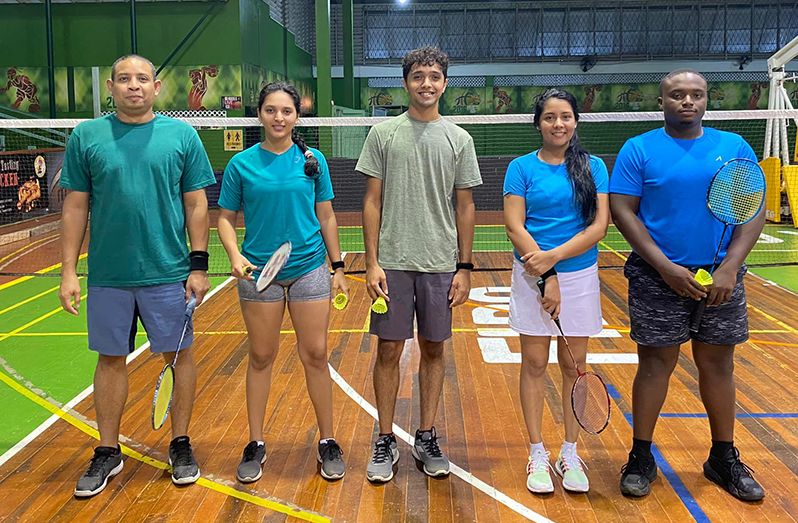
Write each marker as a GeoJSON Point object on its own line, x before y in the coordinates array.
{"type": "Point", "coordinates": [323, 441]}
{"type": "Point", "coordinates": [641, 447]}
{"type": "Point", "coordinates": [568, 447]}
{"type": "Point", "coordinates": [534, 447]}
{"type": "Point", "coordinates": [260, 443]}
{"type": "Point", "coordinates": [720, 448]}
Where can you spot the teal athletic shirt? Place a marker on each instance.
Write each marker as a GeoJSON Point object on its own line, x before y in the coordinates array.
{"type": "Point", "coordinates": [136, 174]}
{"type": "Point", "coordinates": [279, 204]}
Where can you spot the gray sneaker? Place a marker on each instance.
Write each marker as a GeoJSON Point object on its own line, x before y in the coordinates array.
{"type": "Point", "coordinates": [332, 462]}
{"type": "Point", "coordinates": [106, 462]}
{"type": "Point", "coordinates": [184, 466]}
{"type": "Point", "coordinates": [250, 469]}
{"type": "Point", "coordinates": [428, 453]}
{"type": "Point", "coordinates": [386, 454]}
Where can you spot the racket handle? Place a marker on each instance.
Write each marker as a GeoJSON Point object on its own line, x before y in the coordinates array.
{"type": "Point", "coordinates": [696, 314]}
{"type": "Point", "coordinates": [191, 305]}
{"type": "Point", "coordinates": [542, 287]}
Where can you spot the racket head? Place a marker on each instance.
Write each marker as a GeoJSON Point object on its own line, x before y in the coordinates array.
{"type": "Point", "coordinates": [736, 193]}
{"type": "Point", "coordinates": [273, 266]}
{"type": "Point", "coordinates": [162, 398]}
{"type": "Point", "coordinates": [590, 402]}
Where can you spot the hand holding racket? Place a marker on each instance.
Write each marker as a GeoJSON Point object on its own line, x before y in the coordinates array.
{"type": "Point", "coordinates": [590, 400]}
{"type": "Point", "coordinates": [735, 197]}
{"type": "Point", "coordinates": [241, 268]}
{"type": "Point", "coordinates": [164, 389]}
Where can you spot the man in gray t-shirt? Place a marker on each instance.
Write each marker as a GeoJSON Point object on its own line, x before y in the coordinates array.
{"type": "Point", "coordinates": [418, 246]}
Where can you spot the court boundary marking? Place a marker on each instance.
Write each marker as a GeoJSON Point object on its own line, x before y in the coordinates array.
{"type": "Point", "coordinates": [61, 413]}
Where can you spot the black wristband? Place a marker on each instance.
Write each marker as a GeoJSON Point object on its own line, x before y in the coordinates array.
{"type": "Point", "coordinates": [465, 266]}
{"type": "Point", "coordinates": [198, 260]}
{"type": "Point", "coordinates": [337, 265]}
{"type": "Point", "coordinates": [548, 274]}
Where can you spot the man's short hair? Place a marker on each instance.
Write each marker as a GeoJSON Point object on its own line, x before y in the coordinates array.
{"type": "Point", "coordinates": [677, 72]}
{"type": "Point", "coordinates": [127, 56]}
{"type": "Point", "coordinates": [427, 55]}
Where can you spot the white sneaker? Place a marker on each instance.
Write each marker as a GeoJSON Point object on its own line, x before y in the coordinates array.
{"type": "Point", "coordinates": [572, 469]}
{"type": "Point", "coordinates": [539, 478]}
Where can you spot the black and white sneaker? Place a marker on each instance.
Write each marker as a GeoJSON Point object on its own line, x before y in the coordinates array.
{"type": "Point", "coordinates": [106, 462]}
{"type": "Point", "coordinates": [184, 466]}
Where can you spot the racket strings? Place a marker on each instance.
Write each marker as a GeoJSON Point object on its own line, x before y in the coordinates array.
{"type": "Point", "coordinates": [737, 192]}
{"type": "Point", "coordinates": [590, 402]}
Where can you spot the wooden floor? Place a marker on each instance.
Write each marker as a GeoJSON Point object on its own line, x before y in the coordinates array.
{"type": "Point", "coordinates": [479, 421]}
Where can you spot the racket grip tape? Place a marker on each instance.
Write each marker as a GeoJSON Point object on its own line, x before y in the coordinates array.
{"type": "Point", "coordinates": [696, 315]}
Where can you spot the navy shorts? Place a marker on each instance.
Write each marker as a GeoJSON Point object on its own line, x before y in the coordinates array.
{"type": "Point", "coordinates": [112, 314]}
{"type": "Point", "coordinates": [425, 295]}
{"type": "Point", "coordinates": [660, 317]}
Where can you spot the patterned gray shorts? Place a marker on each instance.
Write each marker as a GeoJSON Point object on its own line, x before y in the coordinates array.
{"type": "Point", "coordinates": [660, 317]}
{"type": "Point", "coordinates": [311, 286]}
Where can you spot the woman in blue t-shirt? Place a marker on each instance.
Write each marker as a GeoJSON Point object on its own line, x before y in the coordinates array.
{"type": "Point", "coordinates": [556, 210]}
{"type": "Point", "coordinates": [284, 190]}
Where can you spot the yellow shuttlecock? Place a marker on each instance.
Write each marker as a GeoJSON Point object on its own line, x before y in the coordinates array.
{"type": "Point", "coordinates": [703, 277]}
{"type": "Point", "coordinates": [340, 301]}
{"type": "Point", "coordinates": [379, 306]}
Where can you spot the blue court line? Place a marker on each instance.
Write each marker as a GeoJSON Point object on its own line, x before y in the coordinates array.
{"type": "Point", "coordinates": [739, 414]}
{"type": "Point", "coordinates": [665, 468]}
{"type": "Point", "coordinates": [613, 392]}
{"type": "Point", "coordinates": [676, 482]}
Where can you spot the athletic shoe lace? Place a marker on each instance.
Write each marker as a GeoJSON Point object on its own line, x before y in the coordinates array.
{"type": "Point", "coordinates": [739, 469]}
{"type": "Point", "coordinates": [332, 451]}
{"type": "Point", "coordinates": [250, 451]}
{"type": "Point", "coordinates": [636, 465]}
{"type": "Point", "coordinates": [96, 465]}
{"type": "Point", "coordinates": [431, 446]}
{"type": "Point", "coordinates": [571, 460]}
{"type": "Point", "coordinates": [382, 450]}
{"type": "Point", "coordinates": [538, 462]}
{"type": "Point", "coordinates": [183, 456]}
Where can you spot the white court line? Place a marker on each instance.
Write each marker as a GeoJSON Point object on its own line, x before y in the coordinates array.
{"type": "Point", "coordinates": [10, 453]}
{"type": "Point", "coordinates": [466, 476]}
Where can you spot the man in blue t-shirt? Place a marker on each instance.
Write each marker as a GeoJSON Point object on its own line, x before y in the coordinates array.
{"type": "Point", "coordinates": [144, 175]}
{"type": "Point", "coordinates": [658, 198]}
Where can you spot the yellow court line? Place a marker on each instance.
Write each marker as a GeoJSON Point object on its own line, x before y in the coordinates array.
{"type": "Point", "coordinates": [771, 318]}
{"type": "Point", "coordinates": [42, 271]}
{"type": "Point", "coordinates": [29, 300]}
{"type": "Point", "coordinates": [25, 248]}
{"type": "Point", "coordinates": [34, 322]}
{"type": "Point", "coordinates": [621, 256]}
{"type": "Point", "coordinates": [212, 485]}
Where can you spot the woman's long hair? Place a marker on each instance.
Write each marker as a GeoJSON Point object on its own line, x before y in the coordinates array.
{"type": "Point", "coordinates": [577, 160]}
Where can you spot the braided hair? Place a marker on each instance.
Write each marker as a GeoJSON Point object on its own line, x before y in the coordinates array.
{"type": "Point", "coordinates": [312, 166]}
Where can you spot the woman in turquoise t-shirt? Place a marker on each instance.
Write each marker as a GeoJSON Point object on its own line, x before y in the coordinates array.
{"type": "Point", "coordinates": [556, 210]}
{"type": "Point", "coordinates": [284, 190]}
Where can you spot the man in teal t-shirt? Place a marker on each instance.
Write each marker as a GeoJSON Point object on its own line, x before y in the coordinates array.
{"type": "Point", "coordinates": [144, 176]}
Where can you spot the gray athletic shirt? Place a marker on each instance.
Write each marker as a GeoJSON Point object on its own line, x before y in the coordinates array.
{"type": "Point", "coordinates": [420, 165]}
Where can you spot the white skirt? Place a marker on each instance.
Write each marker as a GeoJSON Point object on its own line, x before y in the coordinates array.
{"type": "Point", "coordinates": [580, 311]}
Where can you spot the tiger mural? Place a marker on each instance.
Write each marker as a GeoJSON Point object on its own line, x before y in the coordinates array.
{"type": "Point", "coordinates": [716, 95]}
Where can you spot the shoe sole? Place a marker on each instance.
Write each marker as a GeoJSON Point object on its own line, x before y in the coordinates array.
{"type": "Point", "coordinates": [569, 488]}
{"type": "Point", "coordinates": [540, 491]}
{"type": "Point", "coordinates": [713, 476]}
{"type": "Point", "coordinates": [626, 491]}
{"type": "Point", "coordinates": [184, 481]}
{"type": "Point", "coordinates": [328, 476]}
{"type": "Point", "coordinates": [383, 479]}
{"type": "Point", "coordinates": [424, 467]}
{"type": "Point", "coordinates": [256, 478]}
{"type": "Point", "coordinates": [89, 493]}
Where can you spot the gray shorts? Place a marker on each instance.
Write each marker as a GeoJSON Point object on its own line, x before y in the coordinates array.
{"type": "Point", "coordinates": [311, 286]}
{"type": "Point", "coordinates": [660, 317]}
{"type": "Point", "coordinates": [112, 315]}
{"type": "Point", "coordinates": [426, 295]}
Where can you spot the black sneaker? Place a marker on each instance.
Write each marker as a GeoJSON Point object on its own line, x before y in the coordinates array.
{"type": "Point", "coordinates": [637, 475]}
{"type": "Point", "coordinates": [184, 467]}
{"type": "Point", "coordinates": [733, 475]}
{"type": "Point", "coordinates": [107, 462]}
{"type": "Point", "coordinates": [251, 467]}
{"type": "Point", "coordinates": [332, 462]}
